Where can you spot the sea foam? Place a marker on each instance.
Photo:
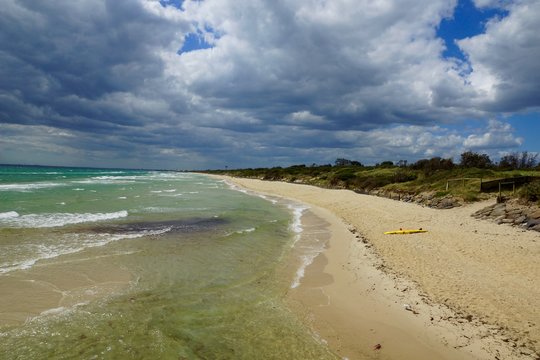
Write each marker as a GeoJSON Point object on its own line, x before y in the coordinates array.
{"type": "Point", "coordinates": [310, 252]}
{"type": "Point", "coordinates": [27, 187]}
{"type": "Point", "coordinates": [9, 215]}
{"type": "Point", "coordinates": [296, 224]}
{"type": "Point", "coordinates": [56, 219]}
{"type": "Point", "coordinates": [74, 243]}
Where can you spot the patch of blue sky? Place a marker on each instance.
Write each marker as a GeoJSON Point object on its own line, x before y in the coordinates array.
{"type": "Point", "coordinates": [197, 40]}
{"type": "Point", "coordinates": [467, 21]}
{"type": "Point", "coordinates": [175, 3]}
{"type": "Point", "coordinates": [527, 126]}
{"type": "Point", "coordinates": [193, 42]}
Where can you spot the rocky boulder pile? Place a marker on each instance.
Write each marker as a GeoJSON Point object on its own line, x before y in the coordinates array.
{"type": "Point", "coordinates": [512, 213]}
{"type": "Point", "coordinates": [428, 199]}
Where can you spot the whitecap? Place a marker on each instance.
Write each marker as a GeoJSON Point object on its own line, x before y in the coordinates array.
{"type": "Point", "coordinates": [75, 243]}
{"type": "Point", "coordinates": [243, 231]}
{"type": "Point", "coordinates": [155, 209]}
{"type": "Point", "coordinates": [9, 215]}
{"type": "Point", "coordinates": [54, 311]}
{"type": "Point", "coordinates": [27, 187]}
{"type": "Point", "coordinates": [109, 180]}
{"type": "Point", "coordinates": [59, 219]}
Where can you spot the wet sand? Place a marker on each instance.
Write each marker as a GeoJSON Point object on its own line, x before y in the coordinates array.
{"type": "Point", "coordinates": [56, 285]}
{"type": "Point", "coordinates": [466, 289]}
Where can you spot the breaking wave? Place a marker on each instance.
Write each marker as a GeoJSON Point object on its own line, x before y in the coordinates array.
{"type": "Point", "coordinates": [55, 219]}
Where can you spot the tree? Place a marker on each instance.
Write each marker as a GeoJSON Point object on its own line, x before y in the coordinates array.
{"type": "Point", "coordinates": [385, 164]}
{"type": "Point", "coordinates": [346, 162]}
{"type": "Point", "coordinates": [471, 159]}
{"type": "Point", "coordinates": [523, 160]}
{"type": "Point", "coordinates": [429, 166]}
{"type": "Point", "coordinates": [402, 163]}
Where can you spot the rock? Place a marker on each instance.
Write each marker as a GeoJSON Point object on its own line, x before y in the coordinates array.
{"type": "Point", "coordinates": [520, 220]}
{"type": "Point", "coordinates": [499, 206]}
{"type": "Point", "coordinates": [515, 212]}
{"type": "Point", "coordinates": [446, 203]}
{"type": "Point", "coordinates": [498, 211]}
{"type": "Point", "coordinates": [483, 212]}
{"type": "Point", "coordinates": [511, 212]}
{"type": "Point", "coordinates": [535, 214]}
{"type": "Point", "coordinates": [532, 222]}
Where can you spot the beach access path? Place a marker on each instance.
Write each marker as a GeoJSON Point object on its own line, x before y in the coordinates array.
{"type": "Point", "coordinates": [467, 288]}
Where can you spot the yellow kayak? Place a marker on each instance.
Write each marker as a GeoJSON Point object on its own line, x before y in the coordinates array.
{"type": "Point", "coordinates": [401, 231]}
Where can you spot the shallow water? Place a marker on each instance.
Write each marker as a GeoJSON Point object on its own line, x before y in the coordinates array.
{"type": "Point", "coordinates": [134, 264]}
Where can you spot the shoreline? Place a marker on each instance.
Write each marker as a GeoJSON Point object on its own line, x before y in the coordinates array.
{"type": "Point", "coordinates": [412, 294]}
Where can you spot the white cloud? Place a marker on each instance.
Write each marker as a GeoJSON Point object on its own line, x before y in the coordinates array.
{"type": "Point", "coordinates": [306, 117]}
{"type": "Point", "coordinates": [286, 81]}
{"type": "Point", "coordinates": [504, 60]}
{"type": "Point", "coordinates": [492, 3]}
{"type": "Point", "coordinates": [497, 135]}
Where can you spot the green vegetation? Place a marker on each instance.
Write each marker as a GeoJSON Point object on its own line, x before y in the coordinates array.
{"type": "Point", "coordinates": [531, 192]}
{"type": "Point", "coordinates": [469, 180]}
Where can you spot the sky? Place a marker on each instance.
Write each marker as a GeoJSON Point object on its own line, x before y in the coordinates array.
{"type": "Point", "coordinates": [207, 84]}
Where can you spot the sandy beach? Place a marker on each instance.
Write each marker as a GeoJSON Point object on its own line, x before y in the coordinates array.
{"type": "Point", "coordinates": [466, 289]}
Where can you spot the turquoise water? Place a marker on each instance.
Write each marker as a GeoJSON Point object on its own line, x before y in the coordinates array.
{"type": "Point", "coordinates": [126, 264]}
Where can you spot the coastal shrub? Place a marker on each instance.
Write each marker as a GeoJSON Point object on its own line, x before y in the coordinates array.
{"type": "Point", "coordinates": [385, 164]}
{"type": "Point", "coordinates": [404, 176]}
{"type": "Point", "coordinates": [372, 182]}
{"type": "Point", "coordinates": [273, 174]}
{"type": "Point", "coordinates": [440, 194]}
{"type": "Point", "coordinates": [345, 174]}
{"type": "Point", "coordinates": [531, 192]}
{"type": "Point", "coordinates": [470, 196]}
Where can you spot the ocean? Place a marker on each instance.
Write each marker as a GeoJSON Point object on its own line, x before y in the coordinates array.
{"type": "Point", "coordinates": [135, 264]}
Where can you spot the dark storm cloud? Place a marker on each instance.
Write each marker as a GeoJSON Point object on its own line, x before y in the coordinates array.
{"type": "Point", "coordinates": [61, 59]}
{"type": "Point", "coordinates": [276, 81]}
{"type": "Point", "coordinates": [86, 48]}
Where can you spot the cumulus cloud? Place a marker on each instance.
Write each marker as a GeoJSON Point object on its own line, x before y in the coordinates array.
{"type": "Point", "coordinates": [357, 66]}
{"type": "Point", "coordinates": [492, 3]}
{"type": "Point", "coordinates": [497, 135]}
{"type": "Point", "coordinates": [413, 142]}
{"type": "Point", "coordinates": [279, 81]}
{"type": "Point", "coordinates": [504, 59]}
